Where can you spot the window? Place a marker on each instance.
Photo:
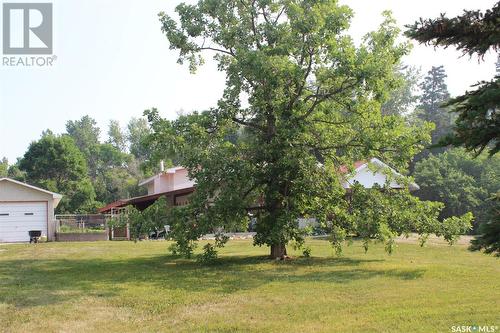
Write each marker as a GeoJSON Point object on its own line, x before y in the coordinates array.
{"type": "Point", "coordinates": [29, 214]}
{"type": "Point", "coordinates": [4, 214]}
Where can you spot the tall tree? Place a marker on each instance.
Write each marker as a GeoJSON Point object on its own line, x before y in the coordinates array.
{"type": "Point", "coordinates": [313, 104]}
{"type": "Point", "coordinates": [403, 98]}
{"type": "Point", "coordinates": [117, 175]}
{"type": "Point", "coordinates": [138, 130]}
{"type": "Point", "coordinates": [477, 126]}
{"type": "Point", "coordinates": [117, 137]}
{"type": "Point", "coordinates": [85, 133]}
{"type": "Point", "coordinates": [434, 95]}
{"type": "Point", "coordinates": [56, 163]}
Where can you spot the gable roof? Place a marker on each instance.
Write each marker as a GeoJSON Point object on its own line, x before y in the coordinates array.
{"type": "Point", "coordinates": [54, 195]}
{"type": "Point", "coordinates": [357, 164]}
{"type": "Point", "coordinates": [144, 200]}
{"type": "Point", "coordinates": [360, 166]}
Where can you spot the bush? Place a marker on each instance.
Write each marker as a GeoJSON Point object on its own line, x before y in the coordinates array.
{"type": "Point", "coordinates": [209, 254]}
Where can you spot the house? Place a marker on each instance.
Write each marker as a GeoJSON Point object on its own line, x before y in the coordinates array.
{"type": "Point", "coordinates": [175, 185]}
{"type": "Point", "coordinates": [169, 180]}
{"type": "Point", "coordinates": [23, 208]}
{"type": "Point", "coordinates": [371, 173]}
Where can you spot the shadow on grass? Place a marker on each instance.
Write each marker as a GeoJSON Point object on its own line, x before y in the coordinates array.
{"type": "Point", "coordinates": [28, 283]}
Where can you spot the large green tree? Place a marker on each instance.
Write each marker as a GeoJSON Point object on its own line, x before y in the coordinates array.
{"type": "Point", "coordinates": [114, 172]}
{"type": "Point", "coordinates": [138, 130]}
{"type": "Point", "coordinates": [117, 137]}
{"type": "Point", "coordinates": [434, 93]}
{"type": "Point", "coordinates": [85, 133]}
{"type": "Point", "coordinates": [306, 99]}
{"type": "Point", "coordinates": [55, 163]}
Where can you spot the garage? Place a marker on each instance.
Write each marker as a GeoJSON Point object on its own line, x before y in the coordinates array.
{"type": "Point", "coordinates": [24, 207]}
{"type": "Point", "coordinates": [17, 218]}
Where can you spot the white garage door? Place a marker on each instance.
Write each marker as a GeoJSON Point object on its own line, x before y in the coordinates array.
{"type": "Point", "coordinates": [16, 219]}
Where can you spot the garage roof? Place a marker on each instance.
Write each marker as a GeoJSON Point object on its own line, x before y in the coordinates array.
{"type": "Point", "coordinates": [54, 195]}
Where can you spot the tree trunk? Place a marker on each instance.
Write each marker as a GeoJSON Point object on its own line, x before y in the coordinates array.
{"type": "Point", "coordinates": [278, 251]}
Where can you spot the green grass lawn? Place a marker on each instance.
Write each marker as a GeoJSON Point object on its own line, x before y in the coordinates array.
{"type": "Point", "coordinates": [122, 287]}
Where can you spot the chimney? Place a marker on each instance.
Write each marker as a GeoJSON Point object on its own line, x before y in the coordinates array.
{"type": "Point", "coordinates": [162, 166]}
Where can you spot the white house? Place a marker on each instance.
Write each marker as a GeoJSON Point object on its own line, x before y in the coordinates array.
{"type": "Point", "coordinates": [373, 172]}
{"type": "Point", "coordinates": [23, 208]}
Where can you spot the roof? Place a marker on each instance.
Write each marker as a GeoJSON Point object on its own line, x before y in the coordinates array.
{"type": "Point", "coordinates": [116, 204]}
{"type": "Point", "coordinates": [54, 195]}
{"type": "Point", "coordinates": [357, 164]}
{"type": "Point", "coordinates": [148, 180]}
{"type": "Point", "coordinates": [145, 200]}
{"type": "Point", "coordinates": [361, 165]}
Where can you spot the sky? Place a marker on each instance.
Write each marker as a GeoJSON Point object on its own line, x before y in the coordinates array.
{"type": "Point", "coordinates": [113, 63]}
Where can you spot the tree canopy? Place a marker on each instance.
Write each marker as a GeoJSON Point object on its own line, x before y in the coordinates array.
{"type": "Point", "coordinates": [301, 100]}
{"type": "Point", "coordinates": [56, 163]}
{"type": "Point", "coordinates": [89, 173]}
{"type": "Point", "coordinates": [462, 183]}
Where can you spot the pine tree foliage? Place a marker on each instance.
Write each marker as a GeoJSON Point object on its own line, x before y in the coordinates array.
{"type": "Point", "coordinates": [474, 32]}
{"type": "Point", "coordinates": [478, 122]}
{"type": "Point", "coordinates": [434, 95]}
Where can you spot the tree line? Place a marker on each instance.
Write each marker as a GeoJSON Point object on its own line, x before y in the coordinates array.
{"type": "Point", "coordinates": [89, 172]}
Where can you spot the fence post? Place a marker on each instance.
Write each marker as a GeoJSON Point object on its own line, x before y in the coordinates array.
{"type": "Point", "coordinates": [128, 231]}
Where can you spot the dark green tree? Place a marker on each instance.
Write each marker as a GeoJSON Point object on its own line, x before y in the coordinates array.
{"type": "Point", "coordinates": [56, 163]}
{"type": "Point", "coordinates": [477, 126]}
{"type": "Point", "coordinates": [473, 32]}
{"type": "Point", "coordinates": [489, 238]}
{"type": "Point", "coordinates": [307, 100]}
